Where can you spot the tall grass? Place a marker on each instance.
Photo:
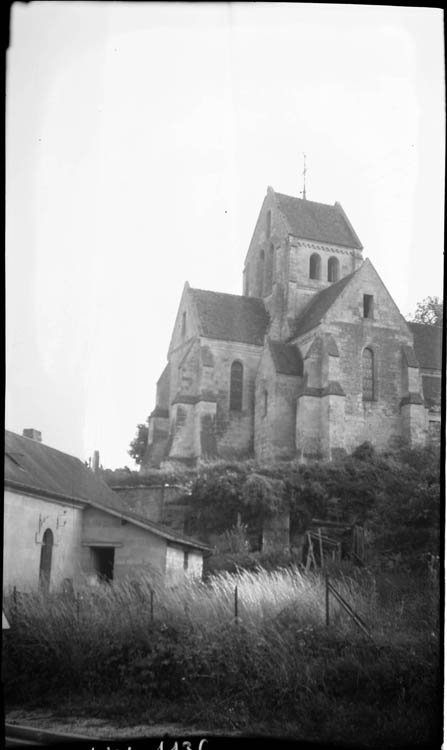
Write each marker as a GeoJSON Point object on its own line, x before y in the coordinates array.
{"type": "Point", "coordinates": [144, 641]}
{"type": "Point", "coordinates": [262, 596]}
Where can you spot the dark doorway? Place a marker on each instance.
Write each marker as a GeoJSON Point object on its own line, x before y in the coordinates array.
{"type": "Point", "coordinates": [46, 553]}
{"type": "Point", "coordinates": [103, 559]}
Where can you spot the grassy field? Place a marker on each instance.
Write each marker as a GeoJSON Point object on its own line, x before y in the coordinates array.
{"type": "Point", "coordinates": [137, 649]}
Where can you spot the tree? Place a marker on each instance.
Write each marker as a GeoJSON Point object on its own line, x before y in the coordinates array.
{"type": "Point", "coordinates": [138, 445]}
{"type": "Point", "coordinates": [430, 312]}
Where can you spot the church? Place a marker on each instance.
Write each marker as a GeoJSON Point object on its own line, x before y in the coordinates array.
{"type": "Point", "coordinates": [313, 359]}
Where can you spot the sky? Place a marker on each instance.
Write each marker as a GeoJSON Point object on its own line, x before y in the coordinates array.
{"type": "Point", "coordinates": [140, 141]}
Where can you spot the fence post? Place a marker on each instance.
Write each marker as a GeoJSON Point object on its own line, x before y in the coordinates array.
{"type": "Point", "coordinates": [321, 548]}
{"type": "Point", "coordinates": [235, 605]}
{"type": "Point", "coordinates": [327, 599]}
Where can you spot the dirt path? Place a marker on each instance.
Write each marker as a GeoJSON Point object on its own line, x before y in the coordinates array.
{"type": "Point", "coordinates": [104, 728]}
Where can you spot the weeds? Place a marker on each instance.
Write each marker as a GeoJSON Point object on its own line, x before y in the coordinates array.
{"type": "Point", "coordinates": [278, 662]}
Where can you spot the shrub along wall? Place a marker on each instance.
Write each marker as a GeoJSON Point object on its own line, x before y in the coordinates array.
{"type": "Point", "coordinates": [396, 496]}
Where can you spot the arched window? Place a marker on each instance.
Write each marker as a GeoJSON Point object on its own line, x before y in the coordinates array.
{"type": "Point", "coordinates": [236, 383]}
{"type": "Point", "coordinates": [315, 266]}
{"type": "Point", "coordinates": [261, 273]}
{"type": "Point", "coordinates": [269, 271]}
{"type": "Point", "coordinates": [46, 554]}
{"type": "Point", "coordinates": [368, 375]}
{"type": "Point", "coordinates": [333, 269]}
{"type": "Point", "coordinates": [266, 403]}
{"type": "Point", "coordinates": [268, 223]}
{"type": "Point", "coordinates": [183, 325]}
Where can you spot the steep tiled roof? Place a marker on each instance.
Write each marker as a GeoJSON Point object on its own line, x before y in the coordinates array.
{"type": "Point", "coordinates": [427, 345]}
{"type": "Point", "coordinates": [231, 317]}
{"type": "Point", "coordinates": [286, 358]}
{"type": "Point", "coordinates": [318, 306]}
{"type": "Point", "coordinates": [317, 221]}
{"type": "Point", "coordinates": [35, 468]}
{"type": "Point", "coordinates": [431, 387]}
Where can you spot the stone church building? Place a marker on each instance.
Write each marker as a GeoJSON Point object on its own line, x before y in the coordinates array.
{"type": "Point", "coordinates": [313, 359]}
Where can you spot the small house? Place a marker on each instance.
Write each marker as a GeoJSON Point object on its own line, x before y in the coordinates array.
{"type": "Point", "coordinates": [63, 524]}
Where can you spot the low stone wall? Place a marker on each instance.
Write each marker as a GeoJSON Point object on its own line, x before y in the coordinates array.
{"type": "Point", "coordinates": [158, 503]}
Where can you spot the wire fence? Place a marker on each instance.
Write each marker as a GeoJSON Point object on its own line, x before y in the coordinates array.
{"type": "Point", "coordinates": [82, 604]}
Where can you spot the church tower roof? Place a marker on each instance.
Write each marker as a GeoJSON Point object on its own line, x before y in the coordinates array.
{"type": "Point", "coordinates": [319, 222]}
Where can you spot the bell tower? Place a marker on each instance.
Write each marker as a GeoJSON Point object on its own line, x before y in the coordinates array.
{"type": "Point", "coordinates": [298, 248]}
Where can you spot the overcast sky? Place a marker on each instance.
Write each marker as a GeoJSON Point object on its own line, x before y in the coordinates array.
{"type": "Point", "coordinates": [141, 139]}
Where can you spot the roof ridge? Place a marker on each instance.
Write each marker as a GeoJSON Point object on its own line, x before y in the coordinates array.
{"type": "Point", "coordinates": [305, 200]}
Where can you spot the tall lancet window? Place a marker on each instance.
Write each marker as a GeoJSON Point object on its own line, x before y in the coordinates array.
{"type": "Point", "coordinates": [261, 270]}
{"type": "Point", "coordinates": [269, 271]}
{"type": "Point", "coordinates": [236, 386]}
{"type": "Point", "coordinates": [333, 269]}
{"type": "Point", "coordinates": [268, 223]}
{"type": "Point", "coordinates": [315, 266]}
{"type": "Point", "coordinates": [368, 374]}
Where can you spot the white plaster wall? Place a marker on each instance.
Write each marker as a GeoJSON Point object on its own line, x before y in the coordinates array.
{"type": "Point", "coordinates": [175, 571]}
{"type": "Point", "coordinates": [26, 519]}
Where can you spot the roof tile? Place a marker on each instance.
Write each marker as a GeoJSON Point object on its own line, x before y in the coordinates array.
{"type": "Point", "coordinates": [231, 317]}
{"type": "Point", "coordinates": [317, 221]}
{"type": "Point", "coordinates": [427, 345]}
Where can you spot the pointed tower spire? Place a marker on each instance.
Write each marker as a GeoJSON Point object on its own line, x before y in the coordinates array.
{"type": "Point", "coordinates": [304, 179]}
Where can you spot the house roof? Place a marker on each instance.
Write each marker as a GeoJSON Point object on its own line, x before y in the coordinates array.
{"type": "Point", "coordinates": [286, 358]}
{"type": "Point", "coordinates": [317, 221]}
{"type": "Point", "coordinates": [38, 469]}
{"type": "Point", "coordinates": [231, 317]}
{"type": "Point", "coordinates": [431, 388]}
{"type": "Point", "coordinates": [427, 345]}
{"type": "Point", "coordinates": [318, 306]}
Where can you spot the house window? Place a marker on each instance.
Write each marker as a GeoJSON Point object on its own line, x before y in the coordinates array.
{"type": "Point", "coordinates": [185, 560]}
{"type": "Point", "coordinates": [368, 375]}
{"type": "Point", "coordinates": [46, 553]}
{"type": "Point", "coordinates": [236, 383]}
{"type": "Point", "coordinates": [266, 403]}
{"type": "Point", "coordinates": [333, 269]}
{"type": "Point", "coordinates": [183, 325]}
{"type": "Point", "coordinates": [315, 266]}
{"type": "Point", "coordinates": [368, 305]}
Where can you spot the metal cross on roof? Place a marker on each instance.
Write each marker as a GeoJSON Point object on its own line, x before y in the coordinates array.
{"type": "Point", "coordinates": [303, 193]}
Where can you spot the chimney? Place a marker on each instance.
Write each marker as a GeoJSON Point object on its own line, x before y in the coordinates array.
{"type": "Point", "coordinates": [95, 462]}
{"type": "Point", "coordinates": [32, 434]}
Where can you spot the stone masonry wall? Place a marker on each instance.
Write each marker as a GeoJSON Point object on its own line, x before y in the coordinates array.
{"type": "Point", "coordinates": [234, 429]}
{"type": "Point", "coordinates": [275, 428]}
{"type": "Point", "coordinates": [379, 420]}
{"type": "Point", "coordinates": [158, 503]}
{"type": "Point", "coordinates": [301, 287]}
